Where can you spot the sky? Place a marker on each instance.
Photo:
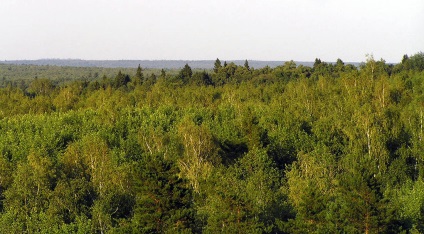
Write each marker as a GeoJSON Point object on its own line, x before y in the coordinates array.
{"type": "Point", "coordinates": [299, 30]}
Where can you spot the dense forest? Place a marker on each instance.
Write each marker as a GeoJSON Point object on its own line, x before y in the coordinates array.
{"type": "Point", "coordinates": [149, 64]}
{"type": "Point", "coordinates": [22, 75]}
{"type": "Point", "coordinates": [332, 148]}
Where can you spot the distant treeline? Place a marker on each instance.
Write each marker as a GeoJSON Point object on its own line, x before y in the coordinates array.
{"type": "Point", "coordinates": [150, 64]}
{"type": "Point", "coordinates": [22, 75]}
{"type": "Point", "coordinates": [22, 72]}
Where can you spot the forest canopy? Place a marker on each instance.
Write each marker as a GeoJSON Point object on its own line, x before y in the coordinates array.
{"type": "Point", "coordinates": [332, 148]}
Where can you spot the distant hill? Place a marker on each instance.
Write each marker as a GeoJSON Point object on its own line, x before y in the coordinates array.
{"type": "Point", "coordinates": [169, 64]}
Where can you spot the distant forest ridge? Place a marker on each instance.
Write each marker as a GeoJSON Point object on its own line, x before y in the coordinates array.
{"type": "Point", "coordinates": [169, 64]}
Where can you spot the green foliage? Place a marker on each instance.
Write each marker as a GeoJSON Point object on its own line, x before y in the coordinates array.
{"type": "Point", "coordinates": [246, 197]}
{"type": "Point", "coordinates": [217, 66]}
{"type": "Point", "coordinates": [163, 201]}
{"type": "Point", "coordinates": [327, 149]}
{"type": "Point", "coordinates": [139, 77]}
{"type": "Point", "coordinates": [246, 65]}
{"type": "Point", "coordinates": [185, 73]}
{"type": "Point", "coordinates": [121, 80]}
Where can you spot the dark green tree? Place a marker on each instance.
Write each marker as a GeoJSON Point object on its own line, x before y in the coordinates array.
{"type": "Point", "coordinates": [339, 62]}
{"type": "Point", "coordinates": [151, 80]}
{"type": "Point", "coordinates": [217, 65]}
{"type": "Point", "coordinates": [317, 62]}
{"type": "Point", "coordinates": [246, 197]}
{"type": "Point", "coordinates": [246, 65]}
{"type": "Point", "coordinates": [405, 58]}
{"type": "Point", "coordinates": [417, 61]}
{"type": "Point", "coordinates": [185, 74]}
{"type": "Point", "coordinates": [139, 77]}
{"type": "Point", "coordinates": [163, 200]}
{"type": "Point", "coordinates": [339, 67]}
{"type": "Point", "coordinates": [162, 73]}
{"type": "Point", "coordinates": [201, 78]}
{"type": "Point", "coordinates": [121, 80]}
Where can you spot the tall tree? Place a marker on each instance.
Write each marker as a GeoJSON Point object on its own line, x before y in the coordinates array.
{"type": "Point", "coordinates": [217, 65]}
{"type": "Point", "coordinates": [162, 73]}
{"type": "Point", "coordinates": [163, 201]}
{"type": "Point", "coordinates": [139, 77]}
{"type": "Point", "coordinates": [405, 58]}
{"type": "Point", "coordinates": [121, 80]}
{"type": "Point", "coordinates": [246, 197]}
{"type": "Point", "coordinates": [317, 62]}
{"type": "Point", "coordinates": [185, 73]}
{"type": "Point", "coordinates": [41, 86]}
{"type": "Point", "coordinates": [246, 65]}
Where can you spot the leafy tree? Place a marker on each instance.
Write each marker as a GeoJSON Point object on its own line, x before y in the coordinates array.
{"type": "Point", "coordinates": [244, 197]}
{"type": "Point", "coordinates": [41, 86]}
{"type": "Point", "coordinates": [339, 63]}
{"type": "Point", "coordinates": [200, 153]}
{"type": "Point", "coordinates": [340, 66]}
{"type": "Point", "coordinates": [28, 195]}
{"type": "Point", "coordinates": [331, 148]}
{"type": "Point", "coordinates": [6, 179]}
{"type": "Point", "coordinates": [417, 61]}
{"type": "Point", "coordinates": [68, 97]}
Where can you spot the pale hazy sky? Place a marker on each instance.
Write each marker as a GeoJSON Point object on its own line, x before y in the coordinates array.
{"type": "Point", "coordinates": [301, 30]}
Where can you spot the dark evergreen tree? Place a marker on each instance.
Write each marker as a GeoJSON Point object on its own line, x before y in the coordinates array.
{"type": "Point", "coordinates": [246, 65]}
{"type": "Point", "coordinates": [151, 80]}
{"type": "Point", "coordinates": [164, 202]}
{"type": "Point", "coordinates": [317, 62]}
{"type": "Point", "coordinates": [185, 73]}
{"type": "Point", "coordinates": [201, 78]}
{"type": "Point", "coordinates": [139, 77]}
{"type": "Point", "coordinates": [405, 58]}
{"type": "Point", "coordinates": [162, 73]}
{"type": "Point", "coordinates": [339, 62]}
{"type": "Point", "coordinates": [217, 65]}
{"type": "Point", "coordinates": [121, 80]}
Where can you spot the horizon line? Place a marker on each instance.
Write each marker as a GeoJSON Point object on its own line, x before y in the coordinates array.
{"type": "Point", "coordinates": [192, 60]}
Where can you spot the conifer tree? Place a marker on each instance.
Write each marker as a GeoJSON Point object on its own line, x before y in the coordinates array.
{"type": "Point", "coordinates": [185, 73]}
{"type": "Point", "coordinates": [217, 65]}
{"type": "Point", "coordinates": [317, 62]}
{"type": "Point", "coordinates": [162, 73]}
{"type": "Point", "coordinates": [139, 77]}
{"type": "Point", "coordinates": [121, 80]}
{"type": "Point", "coordinates": [246, 65]}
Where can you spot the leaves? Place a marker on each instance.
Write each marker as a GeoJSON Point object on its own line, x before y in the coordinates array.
{"type": "Point", "coordinates": [329, 149]}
